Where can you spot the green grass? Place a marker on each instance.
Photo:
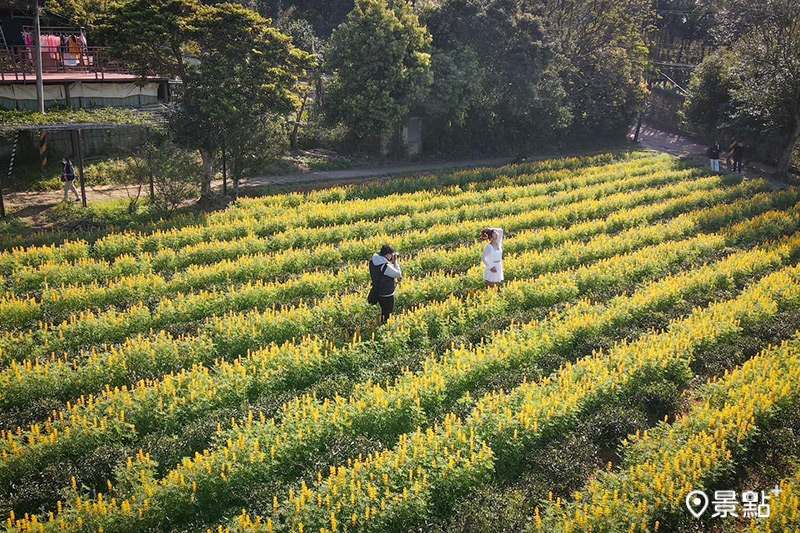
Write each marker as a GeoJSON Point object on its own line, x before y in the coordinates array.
{"type": "Point", "coordinates": [31, 177]}
{"type": "Point", "coordinates": [322, 164]}
{"type": "Point", "coordinates": [62, 115]}
{"type": "Point", "coordinates": [97, 219]}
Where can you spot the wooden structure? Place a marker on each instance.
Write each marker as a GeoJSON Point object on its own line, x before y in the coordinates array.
{"type": "Point", "coordinates": [77, 148]}
{"type": "Point", "coordinates": [73, 74]}
{"type": "Point", "coordinates": [18, 63]}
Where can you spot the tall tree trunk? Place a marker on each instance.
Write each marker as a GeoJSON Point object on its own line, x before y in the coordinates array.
{"type": "Point", "coordinates": [788, 150]}
{"type": "Point", "coordinates": [224, 173]}
{"type": "Point", "coordinates": [298, 118]}
{"type": "Point", "coordinates": [176, 51]}
{"type": "Point", "coordinates": [208, 172]}
{"type": "Point", "coordinates": [236, 173]}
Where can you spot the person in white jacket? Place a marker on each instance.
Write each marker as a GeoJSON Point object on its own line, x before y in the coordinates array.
{"type": "Point", "coordinates": [492, 258]}
{"type": "Point", "coordinates": [384, 269]}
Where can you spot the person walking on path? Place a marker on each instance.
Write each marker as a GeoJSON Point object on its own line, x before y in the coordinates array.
{"type": "Point", "coordinates": [384, 269]}
{"type": "Point", "coordinates": [713, 156]}
{"type": "Point", "coordinates": [738, 156]}
{"type": "Point", "coordinates": [68, 177]}
{"type": "Point", "coordinates": [492, 258]}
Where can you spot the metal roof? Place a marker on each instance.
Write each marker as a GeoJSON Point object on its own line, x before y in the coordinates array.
{"type": "Point", "coordinates": [69, 127]}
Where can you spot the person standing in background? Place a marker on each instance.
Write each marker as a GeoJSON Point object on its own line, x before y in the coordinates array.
{"type": "Point", "coordinates": [738, 157]}
{"type": "Point", "coordinates": [713, 156]}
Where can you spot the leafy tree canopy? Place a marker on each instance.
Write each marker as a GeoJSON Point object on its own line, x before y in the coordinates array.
{"type": "Point", "coordinates": [756, 82]}
{"type": "Point", "coordinates": [381, 65]}
{"type": "Point", "coordinates": [244, 74]}
{"type": "Point", "coordinates": [708, 104]}
{"type": "Point", "coordinates": [323, 15]}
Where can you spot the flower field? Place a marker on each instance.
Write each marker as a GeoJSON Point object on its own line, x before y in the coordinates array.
{"type": "Point", "coordinates": [230, 375]}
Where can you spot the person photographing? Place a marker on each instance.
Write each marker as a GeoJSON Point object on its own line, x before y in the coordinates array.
{"type": "Point", "coordinates": [384, 269]}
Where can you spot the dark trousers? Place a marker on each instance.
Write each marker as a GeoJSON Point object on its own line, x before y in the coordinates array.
{"type": "Point", "coordinates": [387, 306]}
{"type": "Point", "coordinates": [737, 165]}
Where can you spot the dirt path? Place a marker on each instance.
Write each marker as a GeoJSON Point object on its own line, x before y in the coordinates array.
{"type": "Point", "coordinates": [669, 143]}
{"type": "Point", "coordinates": [686, 148]}
{"type": "Point", "coordinates": [30, 204]}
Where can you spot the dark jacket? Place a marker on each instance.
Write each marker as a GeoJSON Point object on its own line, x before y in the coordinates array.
{"type": "Point", "coordinates": [713, 151]}
{"type": "Point", "coordinates": [384, 275]}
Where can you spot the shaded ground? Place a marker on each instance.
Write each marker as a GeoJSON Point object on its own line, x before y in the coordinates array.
{"type": "Point", "coordinates": [670, 143]}
{"type": "Point", "coordinates": [652, 138]}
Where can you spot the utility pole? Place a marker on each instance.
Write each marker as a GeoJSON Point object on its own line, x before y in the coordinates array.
{"type": "Point", "coordinates": [80, 166]}
{"type": "Point", "coordinates": [39, 77]}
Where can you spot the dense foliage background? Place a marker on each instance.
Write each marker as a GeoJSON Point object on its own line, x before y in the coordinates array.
{"type": "Point", "coordinates": [485, 76]}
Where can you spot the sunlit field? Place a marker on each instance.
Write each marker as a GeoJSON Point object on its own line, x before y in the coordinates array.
{"type": "Point", "coordinates": [232, 375]}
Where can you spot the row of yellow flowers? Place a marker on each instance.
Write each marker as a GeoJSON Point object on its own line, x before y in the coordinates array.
{"type": "Point", "coordinates": [397, 406]}
{"type": "Point", "coordinates": [166, 260]}
{"type": "Point", "coordinates": [223, 226]}
{"type": "Point", "coordinates": [570, 252]}
{"type": "Point", "coordinates": [237, 334]}
{"type": "Point", "coordinates": [662, 466]}
{"type": "Point", "coordinates": [327, 223]}
{"type": "Point", "coordinates": [18, 310]}
{"type": "Point", "coordinates": [505, 424]}
{"type": "Point", "coordinates": [63, 375]}
{"type": "Point", "coordinates": [470, 179]}
{"type": "Point", "coordinates": [266, 214]}
{"type": "Point", "coordinates": [88, 328]}
{"type": "Point", "coordinates": [785, 508]}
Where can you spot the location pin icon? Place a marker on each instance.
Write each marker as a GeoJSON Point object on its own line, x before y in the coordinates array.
{"type": "Point", "coordinates": [697, 503]}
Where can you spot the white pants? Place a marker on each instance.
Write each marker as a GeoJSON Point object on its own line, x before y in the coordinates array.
{"type": "Point", "coordinates": [715, 165]}
{"type": "Point", "coordinates": [69, 185]}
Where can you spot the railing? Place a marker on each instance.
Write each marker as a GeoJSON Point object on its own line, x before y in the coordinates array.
{"type": "Point", "coordinates": [18, 63]}
{"type": "Point", "coordinates": [683, 53]}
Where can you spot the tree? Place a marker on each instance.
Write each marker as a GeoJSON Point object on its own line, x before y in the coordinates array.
{"type": "Point", "coordinates": [764, 39]}
{"type": "Point", "coordinates": [323, 15]}
{"type": "Point", "coordinates": [753, 83]}
{"type": "Point", "coordinates": [305, 38]}
{"type": "Point", "coordinates": [83, 13]}
{"type": "Point", "coordinates": [381, 67]}
{"type": "Point", "coordinates": [525, 73]}
{"type": "Point", "coordinates": [601, 43]}
{"type": "Point", "coordinates": [150, 36]}
{"type": "Point", "coordinates": [495, 75]}
{"type": "Point", "coordinates": [171, 173]}
{"type": "Point", "coordinates": [245, 74]}
{"type": "Point", "coordinates": [708, 104]}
